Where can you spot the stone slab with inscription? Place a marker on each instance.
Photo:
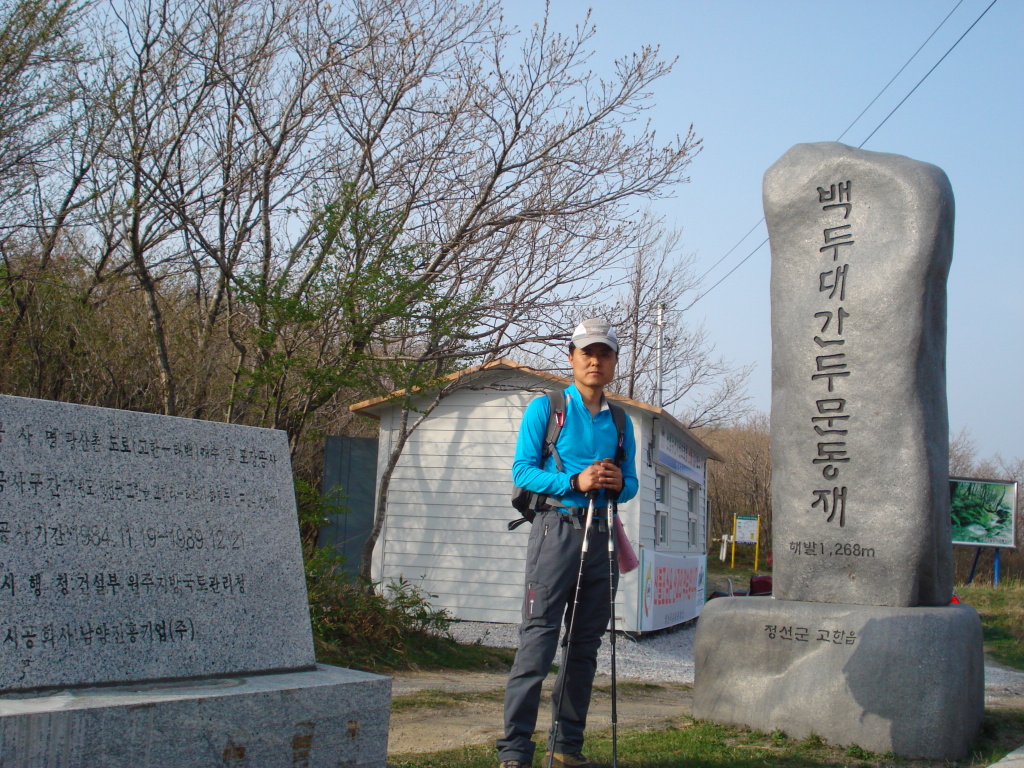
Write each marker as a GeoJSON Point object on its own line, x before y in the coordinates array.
{"type": "Point", "coordinates": [906, 680]}
{"type": "Point", "coordinates": [159, 559]}
{"type": "Point", "coordinates": [141, 547]}
{"type": "Point", "coordinates": [861, 246]}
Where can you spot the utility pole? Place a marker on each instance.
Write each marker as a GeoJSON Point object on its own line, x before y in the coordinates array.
{"type": "Point", "coordinates": [661, 326]}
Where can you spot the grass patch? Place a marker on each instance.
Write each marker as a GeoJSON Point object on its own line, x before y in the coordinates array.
{"type": "Point", "coordinates": [686, 743]}
{"type": "Point", "coordinates": [437, 699]}
{"type": "Point", "coordinates": [395, 628]}
{"type": "Point", "coordinates": [630, 687]}
{"type": "Point", "coordinates": [718, 572]}
{"type": "Point", "coordinates": [420, 651]}
{"type": "Point", "coordinates": [1001, 732]}
{"type": "Point", "coordinates": [1002, 616]}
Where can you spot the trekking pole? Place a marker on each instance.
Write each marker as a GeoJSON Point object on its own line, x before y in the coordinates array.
{"type": "Point", "coordinates": [563, 672]}
{"type": "Point", "coordinates": [613, 511]}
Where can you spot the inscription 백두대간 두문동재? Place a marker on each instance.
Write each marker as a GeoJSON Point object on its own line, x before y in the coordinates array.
{"type": "Point", "coordinates": [831, 367]}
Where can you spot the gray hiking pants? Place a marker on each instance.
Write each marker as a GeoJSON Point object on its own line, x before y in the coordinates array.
{"type": "Point", "coordinates": [552, 568]}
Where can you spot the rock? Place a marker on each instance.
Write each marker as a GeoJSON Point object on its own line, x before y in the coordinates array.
{"type": "Point", "coordinates": [861, 247]}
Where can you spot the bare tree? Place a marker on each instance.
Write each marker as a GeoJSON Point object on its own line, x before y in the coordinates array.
{"type": "Point", "coordinates": [962, 454]}
{"type": "Point", "coordinates": [269, 208]}
{"type": "Point", "coordinates": [643, 279]}
{"type": "Point", "coordinates": [740, 485]}
{"type": "Point", "coordinates": [38, 58]}
{"type": "Point", "coordinates": [412, 152]}
{"type": "Point", "coordinates": [704, 389]}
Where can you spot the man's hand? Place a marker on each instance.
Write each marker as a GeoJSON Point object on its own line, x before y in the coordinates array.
{"type": "Point", "coordinates": [600, 475]}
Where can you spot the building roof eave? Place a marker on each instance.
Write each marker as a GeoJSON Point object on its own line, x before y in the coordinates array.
{"type": "Point", "coordinates": [369, 407]}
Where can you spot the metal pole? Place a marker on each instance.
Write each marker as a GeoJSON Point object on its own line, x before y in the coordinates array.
{"type": "Point", "coordinates": [757, 543]}
{"type": "Point", "coordinates": [732, 562]}
{"type": "Point", "coordinates": [613, 511]}
{"type": "Point", "coordinates": [563, 672]}
{"type": "Point", "coordinates": [974, 565]}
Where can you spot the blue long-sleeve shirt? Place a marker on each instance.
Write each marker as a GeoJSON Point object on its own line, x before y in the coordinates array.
{"type": "Point", "coordinates": [583, 440]}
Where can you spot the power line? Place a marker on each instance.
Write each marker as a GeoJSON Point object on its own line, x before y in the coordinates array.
{"type": "Point", "coordinates": [749, 231]}
{"type": "Point", "coordinates": [740, 264]}
{"type": "Point", "coordinates": [954, 45]}
{"type": "Point", "coordinates": [907, 64]}
{"type": "Point", "coordinates": [859, 146]}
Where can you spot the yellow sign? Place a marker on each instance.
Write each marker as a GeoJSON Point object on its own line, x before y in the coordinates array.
{"type": "Point", "coordinates": [746, 529]}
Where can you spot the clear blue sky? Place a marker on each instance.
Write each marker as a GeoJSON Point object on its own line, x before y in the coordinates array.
{"type": "Point", "coordinates": [757, 77]}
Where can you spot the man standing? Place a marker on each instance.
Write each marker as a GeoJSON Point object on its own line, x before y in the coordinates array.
{"type": "Point", "coordinates": [587, 439]}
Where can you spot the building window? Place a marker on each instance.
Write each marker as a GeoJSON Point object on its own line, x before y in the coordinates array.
{"type": "Point", "coordinates": [662, 509]}
{"type": "Point", "coordinates": [692, 497]}
{"type": "Point", "coordinates": [660, 489]}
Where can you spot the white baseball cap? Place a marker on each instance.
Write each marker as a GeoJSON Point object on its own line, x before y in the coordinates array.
{"type": "Point", "coordinates": [595, 331]}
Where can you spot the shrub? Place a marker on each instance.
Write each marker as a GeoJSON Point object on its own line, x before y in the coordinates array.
{"type": "Point", "coordinates": [368, 628]}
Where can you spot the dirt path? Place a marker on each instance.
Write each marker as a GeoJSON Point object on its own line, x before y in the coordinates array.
{"type": "Point", "coordinates": [422, 729]}
{"type": "Point", "coordinates": [430, 729]}
{"type": "Point", "coordinates": [479, 721]}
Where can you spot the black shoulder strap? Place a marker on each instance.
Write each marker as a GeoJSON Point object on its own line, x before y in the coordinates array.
{"type": "Point", "coordinates": [556, 420]}
{"type": "Point", "coordinates": [619, 417]}
{"type": "Point", "coordinates": [528, 502]}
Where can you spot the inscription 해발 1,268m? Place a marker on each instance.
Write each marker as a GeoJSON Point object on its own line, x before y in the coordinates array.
{"type": "Point", "coordinates": [830, 549]}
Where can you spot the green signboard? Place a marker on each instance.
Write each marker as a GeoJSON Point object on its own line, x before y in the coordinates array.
{"type": "Point", "coordinates": [983, 511]}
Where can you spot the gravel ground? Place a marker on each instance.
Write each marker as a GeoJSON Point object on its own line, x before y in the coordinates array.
{"type": "Point", "coordinates": [664, 657]}
{"type": "Point", "coordinates": [668, 656]}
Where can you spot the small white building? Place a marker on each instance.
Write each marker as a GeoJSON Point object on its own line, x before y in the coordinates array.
{"type": "Point", "coordinates": [449, 504]}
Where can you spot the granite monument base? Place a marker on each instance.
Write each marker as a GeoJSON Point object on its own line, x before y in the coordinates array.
{"type": "Point", "coordinates": [905, 680]}
{"type": "Point", "coordinates": [325, 717]}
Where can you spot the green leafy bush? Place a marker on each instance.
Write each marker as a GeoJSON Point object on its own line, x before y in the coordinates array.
{"type": "Point", "coordinates": [356, 626]}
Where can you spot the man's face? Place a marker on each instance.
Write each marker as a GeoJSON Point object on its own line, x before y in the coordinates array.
{"type": "Point", "coordinates": [593, 365]}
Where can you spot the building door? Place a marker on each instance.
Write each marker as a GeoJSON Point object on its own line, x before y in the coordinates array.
{"type": "Point", "coordinates": [350, 475]}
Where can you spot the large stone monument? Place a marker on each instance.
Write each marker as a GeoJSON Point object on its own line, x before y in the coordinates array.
{"type": "Point", "coordinates": [859, 644]}
{"type": "Point", "coordinates": [153, 601]}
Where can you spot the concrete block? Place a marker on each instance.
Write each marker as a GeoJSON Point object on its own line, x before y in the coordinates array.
{"type": "Point", "coordinates": [906, 680]}
{"type": "Point", "coordinates": [323, 718]}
